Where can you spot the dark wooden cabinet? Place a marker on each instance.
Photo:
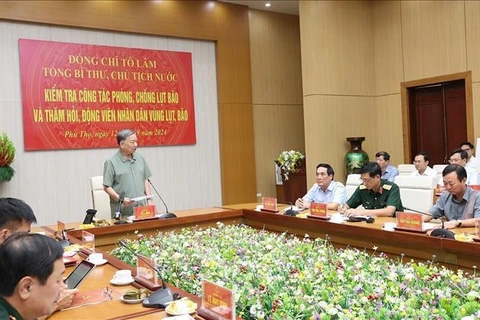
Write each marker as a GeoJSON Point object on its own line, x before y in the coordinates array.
{"type": "Point", "coordinates": [296, 185]}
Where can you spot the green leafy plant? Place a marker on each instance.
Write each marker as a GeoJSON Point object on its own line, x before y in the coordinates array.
{"type": "Point", "coordinates": [281, 276]}
{"type": "Point", "coordinates": [289, 161]}
{"type": "Point", "coordinates": [7, 155]}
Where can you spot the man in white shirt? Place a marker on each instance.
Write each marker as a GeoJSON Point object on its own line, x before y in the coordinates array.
{"type": "Point", "coordinates": [460, 157]}
{"type": "Point", "coordinates": [422, 159]}
{"type": "Point", "coordinates": [325, 190]}
{"type": "Point", "coordinates": [471, 160]}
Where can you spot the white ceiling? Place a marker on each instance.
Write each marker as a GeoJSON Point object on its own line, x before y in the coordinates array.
{"type": "Point", "coordinates": [282, 6]}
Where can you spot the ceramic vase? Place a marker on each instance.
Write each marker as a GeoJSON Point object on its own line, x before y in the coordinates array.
{"type": "Point", "coordinates": [355, 157]}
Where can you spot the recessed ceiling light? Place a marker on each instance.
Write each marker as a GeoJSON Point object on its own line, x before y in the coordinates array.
{"type": "Point", "coordinates": [268, 4]}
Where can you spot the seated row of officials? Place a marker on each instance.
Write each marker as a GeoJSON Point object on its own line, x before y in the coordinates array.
{"type": "Point", "coordinates": [459, 204]}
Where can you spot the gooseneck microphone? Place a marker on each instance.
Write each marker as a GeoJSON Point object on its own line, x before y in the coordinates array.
{"type": "Point", "coordinates": [167, 214]}
{"type": "Point", "coordinates": [118, 213]}
{"type": "Point", "coordinates": [157, 299]}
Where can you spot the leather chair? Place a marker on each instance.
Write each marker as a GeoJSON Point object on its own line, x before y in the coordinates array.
{"type": "Point", "coordinates": [406, 169]}
{"type": "Point", "coordinates": [416, 192]}
{"type": "Point", "coordinates": [100, 199]}
{"type": "Point", "coordinates": [353, 181]}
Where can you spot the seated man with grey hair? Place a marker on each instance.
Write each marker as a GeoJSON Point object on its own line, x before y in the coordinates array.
{"type": "Point", "coordinates": [126, 172]}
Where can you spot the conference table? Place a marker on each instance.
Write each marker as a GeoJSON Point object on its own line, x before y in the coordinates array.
{"type": "Point", "coordinates": [419, 246]}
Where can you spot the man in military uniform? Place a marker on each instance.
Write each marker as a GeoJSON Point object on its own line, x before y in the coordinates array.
{"type": "Point", "coordinates": [380, 198]}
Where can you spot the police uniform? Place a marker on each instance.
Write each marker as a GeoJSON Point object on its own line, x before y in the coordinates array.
{"type": "Point", "coordinates": [388, 195]}
{"type": "Point", "coordinates": [8, 312]}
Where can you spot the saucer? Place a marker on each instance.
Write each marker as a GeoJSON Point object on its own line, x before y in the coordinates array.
{"type": "Point", "coordinates": [131, 301]}
{"type": "Point", "coordinates": [122, 283]}
{"type": "Point", "coordinates": [99, 263]}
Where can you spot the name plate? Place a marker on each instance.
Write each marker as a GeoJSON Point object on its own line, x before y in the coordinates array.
{"type": "Point", "coordinates": [217, 302]}
{"type": "Point", "coordinates": [144, 212]}
{"type": "Point", "coordinates": [318, 209]}
{"type": "Point", "coordinates": [411, 221]}
{"type": "Point", "coordinates": [269, 204]}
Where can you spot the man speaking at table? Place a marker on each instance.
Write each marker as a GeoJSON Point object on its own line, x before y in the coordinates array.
{"type": "Point", "coordinates": [380, 198]}
{"type": "Point", "coordinates": [126, 172]}
{"type": "Point", "coordinates": [460, 204]}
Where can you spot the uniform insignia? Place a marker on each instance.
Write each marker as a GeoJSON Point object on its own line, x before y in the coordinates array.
{"type": "Point", "coordinates": [387, 186]}
{"type": "Point", "coordinates": [362, 187]}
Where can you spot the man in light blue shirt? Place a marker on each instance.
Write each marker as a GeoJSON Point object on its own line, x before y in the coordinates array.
{"type": "Point", "coordinates": [388, 172]}
{"type": "Point", "coordinates": [325, 190]}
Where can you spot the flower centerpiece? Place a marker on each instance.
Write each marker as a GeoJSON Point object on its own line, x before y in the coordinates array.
{"type": "Point", "coordinates": [289, 161]}
{"type": "Point", "coordinates": [7, 155]}
{"type": "Point", "coordinates": [282, 276]}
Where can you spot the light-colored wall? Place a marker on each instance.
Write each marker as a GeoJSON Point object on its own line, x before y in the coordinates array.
{"type": "Point", "coordinates": [357, 54]}
{"type": "Point", "coordinates": [276, 91]}
{"type": "Point", "coordinates": [56, 183]}
{"type": "Point", "coordinates": [224, 23]}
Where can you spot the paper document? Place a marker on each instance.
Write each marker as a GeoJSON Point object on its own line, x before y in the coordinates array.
{"type": "Point", "coordinates": [142, 198]}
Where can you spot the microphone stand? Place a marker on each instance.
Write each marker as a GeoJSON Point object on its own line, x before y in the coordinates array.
{"type": "Point", "coordinates": [167, 214]}
{"type": "Point", "coordinates": [118, 214]}
{"type": "Point", "coordinates": [157, 299]}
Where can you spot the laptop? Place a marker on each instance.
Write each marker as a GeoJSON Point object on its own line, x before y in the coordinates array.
{"type": "Point", "coordinates": [81, 271]}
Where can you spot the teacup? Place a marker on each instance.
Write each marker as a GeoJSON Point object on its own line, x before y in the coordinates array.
{"type": "Point", "coordinates": [95, 257]}
{"type": "Point", "coordinates": [122, 275]}
{"type": "Point", "coordinates": [389, 226]}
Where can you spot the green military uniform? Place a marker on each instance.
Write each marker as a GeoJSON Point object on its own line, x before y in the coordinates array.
{"type": "Point", "coordinates": [8, 312]}
{"type": "Point", "coordinates": [387, 195]}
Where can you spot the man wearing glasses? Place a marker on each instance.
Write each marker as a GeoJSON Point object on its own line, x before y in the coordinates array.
{"type": "Point", "coordinates": [458, 156]}
{"type": "Point", "coordinates": [325, 190]}
{"type": "Point", "coordinates": [380, 198]}
{"type": "Point", "coordinates": [471, 160]}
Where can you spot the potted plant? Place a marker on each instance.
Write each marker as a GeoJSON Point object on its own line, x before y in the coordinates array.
{"type": "Point", "coordinates": [7, 155]}
{"type": "Point", "coordinates": [290, 161]}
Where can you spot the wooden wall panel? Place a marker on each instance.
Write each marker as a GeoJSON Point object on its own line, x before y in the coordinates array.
{"type": "Point", "coordinates": [235, 148]}
{"type": "Point", "coordinates": [389, 127]}
{"type": "Point", "coordinates": [337, 47]}
{"type": "Point", "coordinates": [434, 38]}
{"type": "Point", "coordinates": [276, 91]}
{"type": "Point", "coordinates": [472, 20]}
{"type": "Point", "coordinates": [329, 120]}
{"type": "Point", "coordinates": [224, 23]}
{"type": "Point", "coordinates": [388, 55]}
{"type": "Point", "coordinates": [277, 128]}
{"type": "Point", "coordinates": [275, 57]}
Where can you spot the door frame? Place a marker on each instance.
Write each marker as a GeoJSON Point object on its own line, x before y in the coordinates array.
{"type": "Point", "coordinates": [405, 86]}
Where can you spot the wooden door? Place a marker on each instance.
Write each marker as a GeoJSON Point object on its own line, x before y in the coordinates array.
{"type": "Point", "coordinates": [438, 119]}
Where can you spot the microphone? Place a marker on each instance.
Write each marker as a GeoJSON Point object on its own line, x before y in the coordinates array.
{"type": "Point", "coordinates": [118, 213]}
{"type": "Point", "coordinates": [157, 299]}
{"type": "Point", "coordinates": [290, 212]}
{"type": "Point", "coordinates": [167, 214]}
{"type": "Point", "coordinates": [438, 232]}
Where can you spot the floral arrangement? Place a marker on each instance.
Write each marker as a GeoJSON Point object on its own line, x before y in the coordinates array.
{"type": "Point", "coordinates": [7, 155]}
{"type": "Point", "coordinates": [289, 161]}
{"type": "Point", "coordinates": [281, 276]}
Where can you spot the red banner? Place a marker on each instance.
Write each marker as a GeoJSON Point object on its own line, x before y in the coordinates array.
{"type": "Point", "coordinates": [78, 96]}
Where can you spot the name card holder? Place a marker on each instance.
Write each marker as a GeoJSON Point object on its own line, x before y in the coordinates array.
{"type": "Point", "coordinates": [146, 274]}
{"type": "Point", "coordinates": [318, 211]}
{"type": "Point", "coordinates": [269, 205]}
{"type": "Point", "coordinates": [410, 222]}
{"type": "Point", "coordinates": [144, 212]}
{"type": "Point", "coordinates": [218, 303]}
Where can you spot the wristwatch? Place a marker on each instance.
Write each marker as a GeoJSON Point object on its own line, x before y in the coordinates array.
{"type": "Point", "coordinates": [459, 223]}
